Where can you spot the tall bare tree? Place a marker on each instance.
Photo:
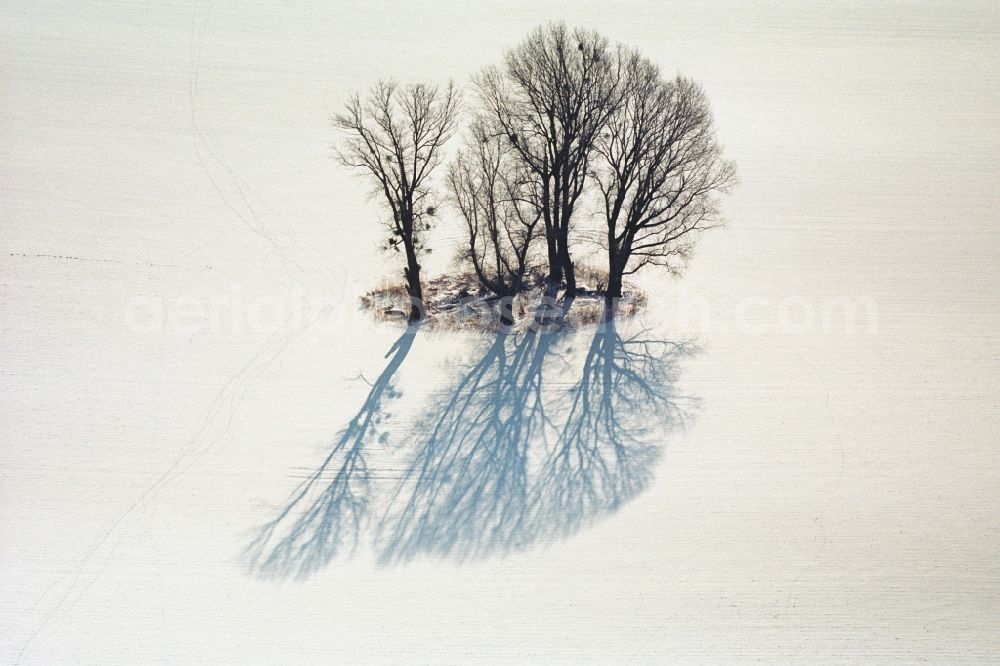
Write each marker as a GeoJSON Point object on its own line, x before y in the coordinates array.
{"type": "Point", "coordinates": [498, 199]}
{"type": "Point", "coordinates": [550, 99]}
{"type": "Point", "coordinates": [659, 173]}
{"type": "Point", "coordinates": [395, 135]}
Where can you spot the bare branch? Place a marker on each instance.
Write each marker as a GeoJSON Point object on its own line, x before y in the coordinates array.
{"type": "Point", "coordinates": [395, 138]}
{"type": "Point", "coordinates": [660, 170]}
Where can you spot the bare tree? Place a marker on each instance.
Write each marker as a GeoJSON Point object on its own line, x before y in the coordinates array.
{"type": "Point", "coordinates": [395, 136]}
{"type": "Point", "coordinates": [550, 99]}
{"type": "Point", "coordinates": [497, 197]}
{"type": "Point", "coordinates": [660, 172]}
{"type": "Point", "coordinates": [325, 515]}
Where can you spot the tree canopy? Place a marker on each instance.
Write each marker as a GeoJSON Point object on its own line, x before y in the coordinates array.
{"type": "Point", "coordinates": [563, 114]}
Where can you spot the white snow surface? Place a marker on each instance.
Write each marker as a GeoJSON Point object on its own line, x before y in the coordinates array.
{"type": "Point", "coordinates": [801, 465]}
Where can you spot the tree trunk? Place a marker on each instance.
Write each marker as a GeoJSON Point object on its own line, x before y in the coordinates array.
{"type": "Point", "coordinates": [506, 307]}
{"type": "Point", "coordinates": [614, 283]}
{"type": "Point", "coordinates": [412, 272]}
{"type": "Point", "coordinates": [613, 291]}
{"type": "Point", "coordinates": [568, 269]}
{"type": "Point", "coordinates": [551, 234]}
{"type": "Point", "coordinates": [555, 263]}
{"type": "Point", "coordinates": [613, 295]}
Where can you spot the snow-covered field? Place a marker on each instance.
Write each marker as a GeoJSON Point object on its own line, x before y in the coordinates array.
{"type": "Point", "coordinates": [209, 455]}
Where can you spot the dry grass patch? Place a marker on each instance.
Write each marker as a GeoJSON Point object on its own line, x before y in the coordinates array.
{"type": "Point", "coordinates": [459, 302]}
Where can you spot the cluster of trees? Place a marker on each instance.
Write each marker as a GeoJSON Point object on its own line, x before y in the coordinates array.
{"type": "Point", "coordinates": [566, 123]}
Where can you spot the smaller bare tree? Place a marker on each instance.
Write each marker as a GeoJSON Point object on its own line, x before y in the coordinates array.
{"type": "Point", "coordinates": [660, 172]}
{"type": "Point", "coordinates": [396, 136]}
{"type": "Point", "coordinates": [498, 198]}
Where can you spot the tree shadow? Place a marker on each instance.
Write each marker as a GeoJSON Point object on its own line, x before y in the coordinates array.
{"type": "Point", "coordinates": [617, 417]}
{"type": "Point", "coordinates": [325, 515]}
{"type": "Point", "coordinates": [466, 485]}
{"type": "Point", "coordinates": [545, 433]}
{"type": "Point", "coordinates": [532, 445]}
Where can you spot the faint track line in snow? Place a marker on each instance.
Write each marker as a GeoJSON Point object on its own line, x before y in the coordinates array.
{"type": "Point", "coordinates": [240, 199]}
{"type": "Point", "coordinates": [224, 409]}
{"type": "Point", "coordinates": [107, 261]}
{"type": "Point", "coordinates": [822, 539]}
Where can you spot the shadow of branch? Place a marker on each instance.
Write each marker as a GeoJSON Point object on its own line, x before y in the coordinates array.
{"type": "Point", "coordinates": [511, 456]}
{"type": "Point", "coordinates": [326, 513]}
{"type": "Point", "coordinates": [536, 440]}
